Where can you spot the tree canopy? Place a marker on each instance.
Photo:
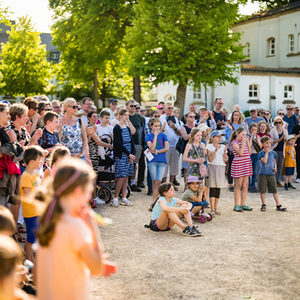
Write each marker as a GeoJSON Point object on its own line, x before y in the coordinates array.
{"type": "Point", "coordinates": [184, 42]}
{"type": "Point", "coordinates": [24, 67]}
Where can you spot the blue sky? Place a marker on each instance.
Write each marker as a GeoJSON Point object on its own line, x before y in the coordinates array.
{"type": "Point", "coordinates": [40, 13]}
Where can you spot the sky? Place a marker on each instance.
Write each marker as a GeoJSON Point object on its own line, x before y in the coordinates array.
{"type": "Point", "coordinates": [40, 13]}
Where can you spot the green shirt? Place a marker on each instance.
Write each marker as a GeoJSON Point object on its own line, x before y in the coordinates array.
{"type": "Point", "coordinates": [186, 196]}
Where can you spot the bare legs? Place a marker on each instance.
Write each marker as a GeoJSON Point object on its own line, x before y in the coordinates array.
{"type": "Point", "coordinates": [121, 186]}
{"type": "Point", "coordinates": [241, 190]}
{"type": "Point", "coordinates": [155, 185]}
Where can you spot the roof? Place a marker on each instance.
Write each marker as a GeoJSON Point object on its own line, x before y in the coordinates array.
{"type": "Point", "coordinates": [289, 8]}
{"type": "Point", "coordinates": [259, 69]}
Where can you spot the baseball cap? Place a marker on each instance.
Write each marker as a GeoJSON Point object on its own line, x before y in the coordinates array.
{"type": "Point", "coordinates": [113, 100]}
{"type": "Point", "coordinates": [252, 108]}
{"type": "Point", "coordinates": [202, 107]}
{"type": "Point", "coordinates": [159, 106]}
{"type": "Point", "coordinates": [289, 137]}
{"type": "Point", "coordinates": [6, 102]}
{"type": "Point", "coordinates": [215, 133]}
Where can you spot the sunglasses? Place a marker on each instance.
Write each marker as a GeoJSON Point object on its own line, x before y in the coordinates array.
{"type": "Point", "coordinates": [170, 107]}
{"type": "Point", "coordinates": [193, 117]}
{"type": "Point", "coordinates": [281, 114]}
{"type": "Point", "coordinates": [132, 105]}
{"type": "Point", "coordinates": [47, 109]}
{"type": "Point", "coordinates": [74, 106]}
{"type": "Point", "coordinates": [289, 109]}
{"type": "Point", "coordinates": [114, 103]}
{"type": "Point", "coordinates": [276, 123]}
{"type": "Point", "coordinates": [36, 108]}
{"type": "Point", "coordinates": [155, 116]}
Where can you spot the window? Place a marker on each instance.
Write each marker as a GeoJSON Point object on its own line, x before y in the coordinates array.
{"type": "Point", "coordinates": [247, 50]}
{"type": "Point", "coordinates": [197, 94]}
{"type": "Point", "coordinates": [291, 43]}
{"type": "Point", "coordinates": [288, 92]}
{"type": "Point", "coordinates": [271, 47]}
{"type": "Point", "coordinates": [169, 98]}
{"type": "Point", "coordinates": [253, 91]}
{"type": "Point", "coordinates": [54, 55]}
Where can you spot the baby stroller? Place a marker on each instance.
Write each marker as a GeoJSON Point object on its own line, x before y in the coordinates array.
{"type": "Point", "coordinates": [106, 183]}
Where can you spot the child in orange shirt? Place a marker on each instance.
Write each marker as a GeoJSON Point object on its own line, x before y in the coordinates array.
{"type": "Point", "coordinates": [70, 246]}
{"type": "Point", "coordinates": [289, 161]}
{"type": "Point", "coordinates": [30, 179]}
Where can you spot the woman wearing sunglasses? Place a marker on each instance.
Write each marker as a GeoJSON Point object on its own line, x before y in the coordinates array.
{"type": "Point", "coordinates": [278, 135]}
{"type": "Point", "coordinates": [72, 132]}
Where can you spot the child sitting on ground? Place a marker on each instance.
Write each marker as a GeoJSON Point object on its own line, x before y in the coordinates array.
{"type": "Point", "coordinates": [266, 174]}
{"type": "Point", "coordinates": [165, 214]}
{"type": "Point", "coordinates": [30, 179]}
{"type": "Point", "coordinates": [195, 194]}
{"type": "Point", "coordinates": [289, 161]}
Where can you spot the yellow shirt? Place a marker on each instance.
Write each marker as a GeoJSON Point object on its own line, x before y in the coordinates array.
{"type": "Point", "coordinates": [30, 181]}
{"type": "Point", "coordinates": [290, 157]}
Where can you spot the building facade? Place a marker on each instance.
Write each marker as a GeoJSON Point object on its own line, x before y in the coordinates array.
{"type": "Point", "coordinates": [269, 77]}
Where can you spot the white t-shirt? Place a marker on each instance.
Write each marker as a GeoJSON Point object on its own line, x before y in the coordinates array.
{"type": "Point", "coordinates": [219, 160]}
{"type": "Point", "coordinates": [102, 132]}
{"type": "Point", "coordinates": [172, 136]}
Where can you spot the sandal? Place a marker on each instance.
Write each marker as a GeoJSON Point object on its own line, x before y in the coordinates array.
{"type": "Point", "coordinates": [19, 238]}
{"type": "Point", "coordinates": [280, 208]}
{"type": "Point", "coordinates": [246, 207]}
{"type": "Point", "coordinates": [263, 207]}
{"type": "Point", "coordinates": [238, 208]}
{"type": "Point", "coordinates": [21, 228]}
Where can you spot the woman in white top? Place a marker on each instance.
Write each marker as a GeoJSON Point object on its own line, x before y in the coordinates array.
{"type": "Point", "coordinates": [217, 156]}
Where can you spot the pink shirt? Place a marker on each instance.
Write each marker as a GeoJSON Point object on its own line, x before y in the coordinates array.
{"type": "Point", "coordinates": [61, 274]}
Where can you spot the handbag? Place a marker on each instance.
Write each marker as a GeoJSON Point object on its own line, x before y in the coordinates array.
{"type": "Point", "coordinates": [180, 146]}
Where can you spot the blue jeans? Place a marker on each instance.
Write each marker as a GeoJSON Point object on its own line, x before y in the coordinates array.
{"type": "Point", "coordinates": [254, 160]}
{"type": "Point", "coordinates": [157, 170]}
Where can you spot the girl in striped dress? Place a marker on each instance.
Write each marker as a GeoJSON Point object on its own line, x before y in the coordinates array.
{"type": "Point", "coordinates": [241, 168]}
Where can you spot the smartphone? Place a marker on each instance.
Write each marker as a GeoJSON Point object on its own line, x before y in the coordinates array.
{"type": "Point", "coordinates": [171, 118]}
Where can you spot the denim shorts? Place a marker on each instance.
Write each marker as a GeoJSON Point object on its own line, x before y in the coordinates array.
{"type": "Point", "coordinates": [202, 203]}
{"type": "Point", "coordinates": [157, 170]}
{"type": "Point", "coordinates": [289, 171]}
{"type": "Point", "coordinates": [31, 227]}
{"type": "Point", "coordinates": [153, 226]}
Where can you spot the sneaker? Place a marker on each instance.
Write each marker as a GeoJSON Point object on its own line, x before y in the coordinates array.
{"type": "Point", "coordinates": [126, 202]}
{"type": "Point", "coordinates": [149, 193]}
{"type": "Point", "coordinates": [231, 189]}
{"type": "Point", "coordinates": [291, 186]}
{"type": "Point", "coordinates": [99, 201]}
{"type": "Point", "coordinates": [189, 231]}
{"type": "Point", "coordinates": [115, 202]}
{"type": "Point", "coordinates": [263, 207]}
{"type": "Point", "coordinates": [286, 187]}
{"type": "Point", "coordinates": [134, 188]}
{"type": "Point", "coordinates": [246, 207]}
{"type": "Point", "coordinates": [175, 182]}
{"type": "Point", "coordinates": [195, 229]}
{"type": "Point", "coordinates": [238, 208]}
{"type": "Point", "coordinates": [141, 185]}
{"type": "Point", "coordinates": [217, 212]}
{"type": "Point", "coordinates": [297, 180]}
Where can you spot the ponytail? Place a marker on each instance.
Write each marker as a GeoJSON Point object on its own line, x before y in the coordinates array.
{"type": "Point", "coordinates": [235, 133]}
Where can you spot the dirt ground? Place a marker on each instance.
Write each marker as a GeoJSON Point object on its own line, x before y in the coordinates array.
{"type": "Point", "coordinates": [249, 255]}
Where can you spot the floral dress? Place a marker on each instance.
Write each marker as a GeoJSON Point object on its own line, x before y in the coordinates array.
{"type": "Point", "coordinates": [72, 138]}
{"type": "Point", "coordinates": [193, 170]}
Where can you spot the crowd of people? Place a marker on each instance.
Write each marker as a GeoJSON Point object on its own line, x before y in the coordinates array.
{"type": "Point", "coordinates": [52, 153]}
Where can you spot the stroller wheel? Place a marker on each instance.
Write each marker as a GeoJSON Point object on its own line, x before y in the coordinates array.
{"type": "Point", "coordinates": [202, 219]}
{"type": "Point", "coordinates": [209, 217]}
{"type": "Point", "coordinates": [127, 194]}
{"type": "Point", "coordinates": [104, 194]}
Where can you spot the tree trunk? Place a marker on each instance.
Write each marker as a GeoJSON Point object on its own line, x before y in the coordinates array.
{"type": "Point", "coordinates": [95, 86]}
{"type": "Point", "coordinates": [137, 89]}
{"type": "Point", "coordinates": [180, 97]}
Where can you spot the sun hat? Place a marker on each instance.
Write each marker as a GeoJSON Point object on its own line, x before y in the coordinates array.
{"type": "Point", "coordinates": [203, 127]}
{"type": "Point", "coordinates": [290, 137]}
{"type": "Point", "coordinates": [192, 178]}
{"type": "Point", "coordinates": [215, 133]}
{"type": "Point", "coordinates": [159, 106]}
{"type": "Point", "coordinates": [202, 107]}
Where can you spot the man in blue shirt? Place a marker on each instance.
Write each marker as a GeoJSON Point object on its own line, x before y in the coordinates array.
{"type": "Point", "coordinates": [253, 116]}
{"type": "Point", "coordinates": [290, 118]}
{"type": "Point", "coordinates": [218, 114]}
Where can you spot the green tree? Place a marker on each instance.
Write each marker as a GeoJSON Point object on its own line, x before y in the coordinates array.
{"type": "Point", "coordinates": [184, 41]}
{"type": "Point", "coordinates": [275, 3]}
{"type": "Point", "coordinates": [89, 33]}
{"type": "Point", "coordinates": [25, 70]}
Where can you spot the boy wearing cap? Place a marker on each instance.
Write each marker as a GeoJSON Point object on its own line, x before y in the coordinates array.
{"type": "Point", "coordinates": [112, 107]}
{"type": "Point", "coordinates": [195, 194]}
{"type": "Point", "coordinates": [266, 174]}
{"type": "Point", "coordinates": [289, 161]}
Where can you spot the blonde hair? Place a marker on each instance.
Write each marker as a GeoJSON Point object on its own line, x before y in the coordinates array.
{"type": "Point", "coordinates": [82, 174]}
{"type": "Point", "coordinates": [17, 109]}
{"type": "Point", "coordinates": [7, 222]}
{"type": "Point", "coordinates": [193, 133]}
{"type": "Point", "coordinates": [67, 102]}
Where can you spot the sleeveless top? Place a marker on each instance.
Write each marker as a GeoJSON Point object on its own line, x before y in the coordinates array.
{"type": "Point", "coordinates": [71, 137]}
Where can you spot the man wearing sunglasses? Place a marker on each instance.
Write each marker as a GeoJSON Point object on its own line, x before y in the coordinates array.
{"type": "Point", "coordinates": [254, 118]}
{"type": "Point", "coordinates": [86, 107]}
{"type": "Point", "coordinates": [290, 118]}
{"type": "Point", "coordinates": [138, 123]}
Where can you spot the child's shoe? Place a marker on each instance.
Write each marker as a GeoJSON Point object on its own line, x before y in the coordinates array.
{"type": "Point", "coordinates": [115, 202]}
{"type": "Point", "coordinates": [263, 207]}
{"type": "Point", "coordinates": [291, 186]}
{"type": "Point", "coordinates": [238, 208]}
{"type": "Point", "coordinates": [217, 212]}
{"type": "Point", "coordinates": [280, 208]}
{"type": "Point", "coordinates": [190, 231]}
{"type": "Point", "coordinates": [126, 202]}
{"type": "Point", "coordinates": [246, 207]}
{"type": "Point", "coordinates": [286, 187]}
